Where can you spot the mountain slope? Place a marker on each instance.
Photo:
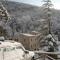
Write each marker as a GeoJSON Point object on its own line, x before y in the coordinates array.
{"type": "Point", "coordinates": [24, 17]}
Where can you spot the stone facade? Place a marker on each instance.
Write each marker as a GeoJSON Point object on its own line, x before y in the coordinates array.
{"type": "Point", "coordinates": [29, 41]}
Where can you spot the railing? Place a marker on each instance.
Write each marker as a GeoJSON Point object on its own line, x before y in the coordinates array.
{"type": "Point", "coordinates": [46, 55]}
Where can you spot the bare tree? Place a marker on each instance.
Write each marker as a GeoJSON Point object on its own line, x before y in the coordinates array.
{"type": "Point", "coordinates": [4, 16]}
{"type": "Point", "coordinates": [3, 12]}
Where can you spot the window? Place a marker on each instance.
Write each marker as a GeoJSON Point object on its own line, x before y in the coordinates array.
{"type": "Point", "coordinates": [31, 46]}
{"type": "Point", "coordinates": [35, 49]}
{"type": "Point", "coordinates": [31, 39]}
{"type": "Point", "coordinates": [24, 40]}
{"type": "Point", "coordinates": [35, 39]}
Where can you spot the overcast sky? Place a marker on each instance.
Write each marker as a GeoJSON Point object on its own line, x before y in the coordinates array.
{"type": "Point", "coordinates": [38, 2]}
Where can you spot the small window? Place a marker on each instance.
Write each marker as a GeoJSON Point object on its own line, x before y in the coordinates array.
{"type": "Point", "coordinates": [35, 49]}
{"type": "Point", "coordinates": [35, 45]}
{"type": "Point", "coordinates": [31, 39]}
{"type": "Point", "coordinates": [24, 40]}
{"type": "Point", "coordinates": [31, 46]}
{"type": "Point", "coordinates": [10, 39]}
{"type": "Point", "coordinates": [35, 39]}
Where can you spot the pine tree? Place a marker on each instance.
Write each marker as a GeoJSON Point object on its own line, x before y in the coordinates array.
{"type": "Point", "coordinates": [47, 12]}
{"type": "Point", "coordinates": [49, 40]}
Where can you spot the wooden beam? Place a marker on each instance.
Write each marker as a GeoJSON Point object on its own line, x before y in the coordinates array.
{"type": "Point", "coordinates": [43, 52]}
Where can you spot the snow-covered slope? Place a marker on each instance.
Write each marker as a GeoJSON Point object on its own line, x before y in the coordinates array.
{"type": "Point", "coordinates": [10, 50]}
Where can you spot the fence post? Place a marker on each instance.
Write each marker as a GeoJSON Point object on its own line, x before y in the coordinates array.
{"type": "Point", "coordinates": [44, 57]}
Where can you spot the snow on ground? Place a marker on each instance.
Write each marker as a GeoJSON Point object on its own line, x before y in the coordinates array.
{"type": "Point", "coordinates": [14, 51]}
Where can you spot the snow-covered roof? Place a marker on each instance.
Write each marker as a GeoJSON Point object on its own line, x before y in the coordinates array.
{"type": "Point", "coordinates": [26, 34]}
{"type": "Point", "coordinates": [35, 31]}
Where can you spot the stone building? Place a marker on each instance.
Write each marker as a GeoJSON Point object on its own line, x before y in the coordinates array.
{"type": "Point", "coordinates": [29, 41]}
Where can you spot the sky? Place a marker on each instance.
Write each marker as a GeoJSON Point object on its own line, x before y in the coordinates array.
{"type": "Point", "coordinates": [56, 3]}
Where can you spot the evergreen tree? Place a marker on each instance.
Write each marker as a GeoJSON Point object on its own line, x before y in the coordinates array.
{"type": "Point", "coordinates": [47, 12]}
{"type": "Point", "coordinates": [49, 40]}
